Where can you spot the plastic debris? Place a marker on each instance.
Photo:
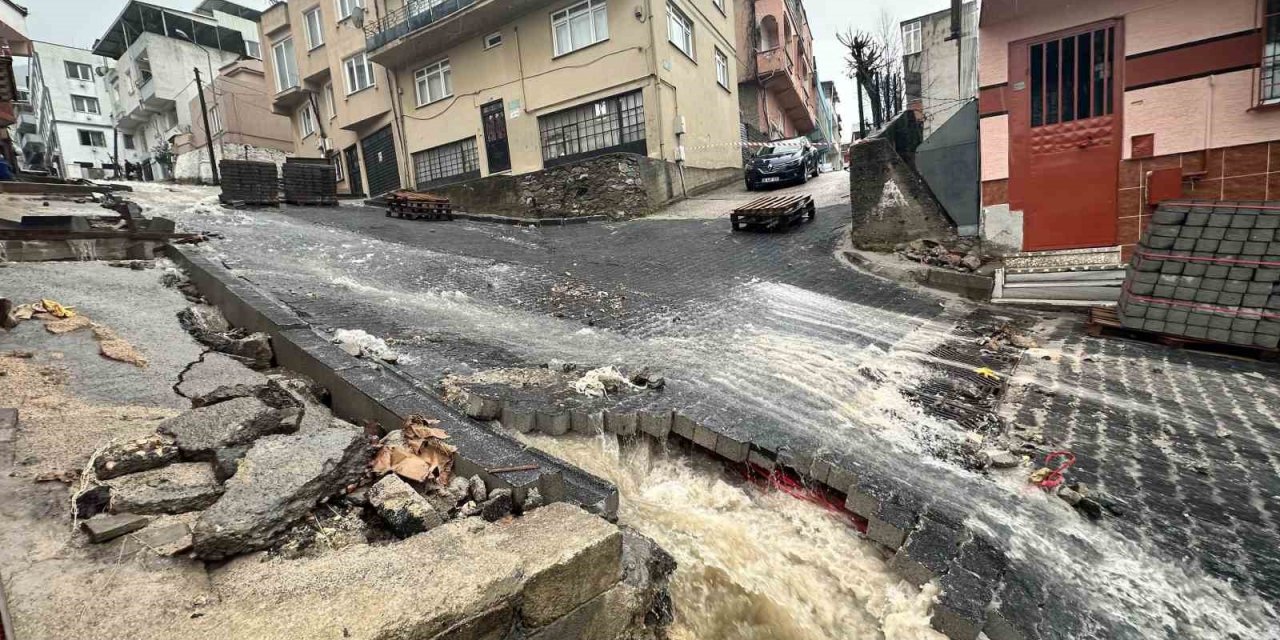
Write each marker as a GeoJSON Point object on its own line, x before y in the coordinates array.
{"type": "Point", "coordinates": [54, 309]}
{"type": "Point", "coordinates": [600, 382]}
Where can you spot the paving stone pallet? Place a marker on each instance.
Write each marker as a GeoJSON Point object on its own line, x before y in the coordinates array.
{"type": "Point", "coordinates": [310, 183]}
{"type": "Point", "coordinates": [249, 182]}
{"type": "Point", "coordinates": [1208, 271]}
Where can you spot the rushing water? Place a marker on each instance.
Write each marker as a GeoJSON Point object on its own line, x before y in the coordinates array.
{"type": "Point", "coordinates": [752, 562]}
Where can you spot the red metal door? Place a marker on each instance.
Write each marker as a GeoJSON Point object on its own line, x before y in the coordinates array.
{"type": "Point", "coordinates": [1065, 130]}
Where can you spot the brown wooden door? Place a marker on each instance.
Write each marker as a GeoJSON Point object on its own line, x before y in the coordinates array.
{"type": "Point", "coordinates": [1065, 136]}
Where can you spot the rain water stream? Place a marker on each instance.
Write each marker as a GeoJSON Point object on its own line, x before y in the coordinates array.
{"type": "Point", "coordinates": [752, 563]}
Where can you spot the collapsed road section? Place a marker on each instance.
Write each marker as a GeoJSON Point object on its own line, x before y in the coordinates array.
{"type": "Point", "coordinates": [200, 490]}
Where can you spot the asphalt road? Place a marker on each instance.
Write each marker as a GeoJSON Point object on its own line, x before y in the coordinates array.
{"type": "Point", "coordinates": [771, 333]}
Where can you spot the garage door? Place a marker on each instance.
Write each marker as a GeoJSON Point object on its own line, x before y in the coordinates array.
{"type": "Point", "coordinates": [380, 162]}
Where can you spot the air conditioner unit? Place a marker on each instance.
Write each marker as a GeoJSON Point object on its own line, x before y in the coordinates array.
{"type": "Point", "coordinates": [325, 145]}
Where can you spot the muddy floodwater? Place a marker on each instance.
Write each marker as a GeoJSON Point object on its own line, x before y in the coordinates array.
{"type": "Point", "coordinates": [753, 563]}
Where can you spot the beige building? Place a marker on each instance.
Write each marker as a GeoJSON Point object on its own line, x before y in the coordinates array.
{"type": "Point", "coordinates": [242, 123]}
{"type": "Point", "coordinates": [426, 92]}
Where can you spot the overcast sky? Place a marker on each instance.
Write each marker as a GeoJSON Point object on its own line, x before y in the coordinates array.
{"type": "Point", "coordinates": [80, 22]}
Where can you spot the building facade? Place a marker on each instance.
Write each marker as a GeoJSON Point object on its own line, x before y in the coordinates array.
{"type": "Point", "coordinates": [241, 121]}
{"type": "Point", "coordinates": [74, 135]}
{"type": "Point", "coordinates": [1082, 105]}
{"type": "Point", "coordinates": [940, 72]}
{"type": "Point", "coordinates": [777, 81]}
{"type": "Point", "coordinates": [152, 81]}
{"type": "Point", "coordinates": [436, 93]}
{"type": "Point", "coordinates": [830, 126]}
{"type": "Point", "coordinates": [13, 35]}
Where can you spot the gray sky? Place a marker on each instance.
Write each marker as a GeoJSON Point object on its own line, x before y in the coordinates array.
{"type": "Point", "coordinates": [80, 22]}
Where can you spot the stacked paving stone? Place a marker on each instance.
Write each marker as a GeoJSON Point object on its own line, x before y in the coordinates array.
{"type": "Point", "coordinates": [310, 183]}
{"type": "Point", "coordinates": [1208, 271]}
{"type": "Point", "coordinates": [249, 182]}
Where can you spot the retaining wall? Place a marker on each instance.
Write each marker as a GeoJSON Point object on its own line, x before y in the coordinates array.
{"type": "Point", "coordinates": [616, 185]}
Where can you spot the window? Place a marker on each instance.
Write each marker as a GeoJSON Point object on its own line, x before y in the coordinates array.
{"type": "Point", "coordinates": [680, 30]}
{"type": "Point", "coordinates": [722, 69]}
{"type": "Point", "coordinates": [79, 71]}
{"type": "Point", "coordinates": [215, 120]}
{"type": "Point", "coordinates": [315, 31]}
{"type": "Point", "coordinates": [433, 82]}
{"type": "Point", "coordinates": [171, 119]}
{"type": "Point", "coordinates": [253, 49]}
{"type": "Point", "coordinates": [1271, 52]}
{"type": "Point", "coordinates": [337, 167]}
{"type": "Point", "coordinates": [581, 25]}
{"type": "Point", "coordinates": [286, 64]}
{"type": "Point", "coordinates": [345, 7]}
{"type": "Point", "coordinates": [1071, 77]}
{"type": "Point", "coordinates": [128, 141]}
{"type": "Point", "coordinates": [612, 124]}
{"type": "Point", "coordinates": [143, 66]}
{"type": "Point", "coordinates": [85, 104]}
{"type": "Point", "coordinates": [330, 102]}
{"type": "Point", "coordinates": [492, 40]}
{"type": "Point", "coordinates": [359, 72]}
{"type": "Point", "coordinates": [306, 121]}
{"type": "Point", "coordinates": [911, 42]}
{"type": "Point", "coordinates": [92, 138]}
{"type": "Point", "coordinates": [447, 163]}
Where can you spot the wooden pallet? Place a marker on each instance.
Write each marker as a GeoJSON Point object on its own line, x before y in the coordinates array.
{"type": "Point", "coordinates": [419, 206]}
{"type": "Point", "coordinates": [773, 212]}
{"type": "Point", "coordinates": [1105, 321]}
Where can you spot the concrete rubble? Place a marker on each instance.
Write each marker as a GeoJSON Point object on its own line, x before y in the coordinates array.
{"type": "Point", "coordinates": [177, 488]}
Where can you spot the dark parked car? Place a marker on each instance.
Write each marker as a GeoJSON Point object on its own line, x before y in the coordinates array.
{"type": "Point", "coordinates": [794, 160]}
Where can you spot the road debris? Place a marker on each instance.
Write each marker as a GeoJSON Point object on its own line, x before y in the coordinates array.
{"type": "Point", "coordinates": [416, 452]}
{"type": "Point", "coordinates": [602, 382]}
{"type": "Point", "coordinates": [104, 528]}
{"type": "Point", "coordinates": [362, 345]}
{"type": "Point", "coordinates": [54, 309]}
{"type": "Point", "coordinates": [404, 510]}
{"type": "Point", "coordinates": [114, 347]}
{"type": "Point", "coordinates": [67, 325]}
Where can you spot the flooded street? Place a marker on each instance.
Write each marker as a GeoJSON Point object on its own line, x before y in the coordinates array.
{"type": "Point", "coordinates": [752, 563]}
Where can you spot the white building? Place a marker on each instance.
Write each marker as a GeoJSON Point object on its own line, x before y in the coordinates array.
{"type": "Point", "coordinates": [71, 108]}
{"type": "Point", "coordinates": [156, 51]}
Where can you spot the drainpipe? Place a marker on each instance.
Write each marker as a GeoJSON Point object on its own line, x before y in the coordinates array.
{"type": "Point", "coordinates": [657, 84]}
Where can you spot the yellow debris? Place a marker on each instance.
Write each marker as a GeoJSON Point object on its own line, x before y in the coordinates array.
{"type": "Point", "coordinates": [56, 310]}
{"type": "Point", "coordinates": [987, 373]}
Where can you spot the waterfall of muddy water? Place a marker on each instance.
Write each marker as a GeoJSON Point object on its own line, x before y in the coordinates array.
{"type": "Point", "coordinates": [752, 563]}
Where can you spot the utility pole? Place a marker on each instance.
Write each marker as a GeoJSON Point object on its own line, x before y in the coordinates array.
{"type": "Point", "coordinates": [208, 132]}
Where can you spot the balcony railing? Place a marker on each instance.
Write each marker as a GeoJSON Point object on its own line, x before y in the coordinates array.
{"type": "Point", "coordinates": [414, 15]}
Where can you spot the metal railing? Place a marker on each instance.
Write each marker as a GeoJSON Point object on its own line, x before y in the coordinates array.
{"type": "Point", "coordinates": [414, 15]}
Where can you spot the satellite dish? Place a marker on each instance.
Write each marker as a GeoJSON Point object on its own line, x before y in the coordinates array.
{"type": "Point", "coordinates": [357, 16]}
{"type": "Point", "coordinates": [101, 71]}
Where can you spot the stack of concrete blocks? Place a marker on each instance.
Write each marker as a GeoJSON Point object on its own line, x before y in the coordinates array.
{"type": "Point", "coordinates": [1208, 271]}
{"type": "Point", "coordinates": [310, 183]}
{"type": "Point", "coordinates": [249, 182]}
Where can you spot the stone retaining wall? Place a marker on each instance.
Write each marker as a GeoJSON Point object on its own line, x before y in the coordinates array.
{"type": "Point", "coordinates": [617, 185]}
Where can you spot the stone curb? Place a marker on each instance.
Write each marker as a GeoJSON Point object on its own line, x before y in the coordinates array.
{"type": "Point", "coordinates": [362, 391]}
{"type": "Point", "coordinates": [928, 538]}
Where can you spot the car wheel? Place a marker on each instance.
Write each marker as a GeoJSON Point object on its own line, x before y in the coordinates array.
{"type": "Point", "coordinates": [750, 187]}
{"type": "Point", "coordinates": [804, 176]}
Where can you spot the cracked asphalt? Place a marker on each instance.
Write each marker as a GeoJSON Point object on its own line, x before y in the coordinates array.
{"type": "Point", "coordinates": [772, 334]}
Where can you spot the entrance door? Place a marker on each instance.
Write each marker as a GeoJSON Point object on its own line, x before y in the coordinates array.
{"type": "Point", "coordinates": [1065, 128]}
{"type": "Point", "coordinates": [495, 136]}
{"type": "Point", "coordinates": [353, 171]}
{"type": "Point", "coordinates": [380, 162]}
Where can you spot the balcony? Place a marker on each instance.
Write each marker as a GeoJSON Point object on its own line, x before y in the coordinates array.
{"type": "Point", "coordinates": [777, 73]}
{"type": "Point", "coordinates": [275, 18]}
{"type": "Point", "coordinates": [285, 102]}
{"type": "Point", "coordinates": [148, 102]}
{"type": "Point", "coordinates": [424, 28]}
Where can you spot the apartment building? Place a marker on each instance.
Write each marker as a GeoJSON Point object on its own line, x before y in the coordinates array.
{"type": "Point", "coordinates": [241, 123]}
{"type": "Point", "coordinates": [830, 127]}
{"type": "Point", "coordinates": [432, 93]}
{"type": "Point", "coordinates": [777, 82]}
{"type": "Point", "coordinates": [152, 82]}
{"type": "Point", "coordinates": [73, 135]}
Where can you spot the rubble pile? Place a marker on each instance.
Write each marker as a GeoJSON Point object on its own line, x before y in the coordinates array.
{"type": "Point", "coordinates": [961, 255]}
{"type": "Point", "coordinates": [59, 320]}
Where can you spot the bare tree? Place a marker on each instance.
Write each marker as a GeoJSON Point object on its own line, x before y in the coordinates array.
{"type": "Point", "coordinates": [863, 60]}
